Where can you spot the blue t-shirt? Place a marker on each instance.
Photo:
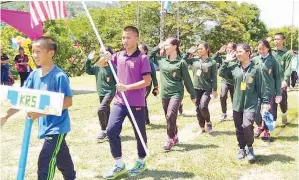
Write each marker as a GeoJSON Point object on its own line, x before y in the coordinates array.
{"type": "Point", "coordinates": [57, 81]}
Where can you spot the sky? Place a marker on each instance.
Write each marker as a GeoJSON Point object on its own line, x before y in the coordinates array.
{"type": "Point", "coordinates": [276, 14]}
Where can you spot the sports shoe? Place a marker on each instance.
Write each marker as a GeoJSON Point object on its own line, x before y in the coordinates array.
{"type": "Point", "coordinates": [258, 131]}
{"type": "Point", "coordinates": [250, 155]}
{"type": "Point", "coordinates": [176, 140]}
{"type": "Point", "coordinates": [241, 154]}
{"type": "Point", "coordinates": [137, 169]}
{"type": "Point", "coordinates": [102, 135]}
{"type": "Point", "coordinates": [223, 117]}
{"type": "Point", "coordinates": [201, 130]}
{"type": "Point", "coordinates": [266, 136]}
{"type": "Point", "coordinates": [284, 119]}
{"type": "Point", "coordinates": [115, 172]}
{"type": "Point", "coordinates": [169, 144]}
{"type": "Point", "coordinates": [209, 127]}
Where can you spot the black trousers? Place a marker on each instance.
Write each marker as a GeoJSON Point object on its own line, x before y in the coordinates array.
{"type": "Point", "coordinates": [202, 102]}
{"type": "Point", "coordinates": [223, 95]}
{"type": "Point", "coordinates": [104, 110]}
{"type": "Point", "coordinates": [55, 152]}
{"type": "Point", "coordinates": [244, 128]}
{"type": "Point", "coordinates": [171, 108]}
{"type": "Point", "coordinates": [294, 77]}
{"type": "Point", "coordinates": [23, 77]}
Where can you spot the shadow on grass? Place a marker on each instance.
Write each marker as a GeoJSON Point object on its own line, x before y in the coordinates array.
{"type": "Point", "coordinates": [190, 147]}
{"type": "Point", "coordinates": [157, 175]}
{"type": "Point", "coordinates": [219, 133]}
{"type": "Point", "coordinates": [127, 138]}
{"type": "Point", "coordinates": [285, 138]}
{"type": "Point", "coordinates": [78, 92]}
{"type": "Point", "coordinates": [267, 159]}
{"type": "Point", "coordinates": [156, 126]}
{"type": "Point", "coordinates": [161, 174]}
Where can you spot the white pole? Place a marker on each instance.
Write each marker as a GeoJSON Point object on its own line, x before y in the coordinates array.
{"type": "Point", "coordinates": [137, 14]}
{"type": "Point", "coordinates": [292, 26]}
{"type": "Point", "coordinates": [116, 79]}
{"type": "Point", "coordinates": [178, 21]}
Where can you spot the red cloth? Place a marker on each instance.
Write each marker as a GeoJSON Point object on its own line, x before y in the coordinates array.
{"type": "Point", "coordinates": [22, 22]}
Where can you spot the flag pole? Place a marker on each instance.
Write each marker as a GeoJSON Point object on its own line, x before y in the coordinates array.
{"type": "Point", "coordinates": [178, 21]}
{"type": "Point", "coordinates": [292, 28]}
{"type": "Point", "coordinates": [116, 79]}
{"type": "Point", "coordinates": [24, 149]}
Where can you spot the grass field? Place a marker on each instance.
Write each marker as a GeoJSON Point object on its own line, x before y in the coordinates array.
{"type": "Point", "coordinates": [207, 156]}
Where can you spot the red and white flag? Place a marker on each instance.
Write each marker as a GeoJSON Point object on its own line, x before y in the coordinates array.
{"type": "Point", "coordinates": [46, 10]}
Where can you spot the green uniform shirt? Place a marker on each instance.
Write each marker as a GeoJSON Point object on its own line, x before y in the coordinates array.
{"type": "Point", "coordinates": [104, 78]}
{"type": "Point", "coordinates": [204, 73]}
{"type": "Point", "coordinates": [271, 77]}
{"type": "Point", "coordinates": [154, 77]}
{"type": "Point", "coordinates": [245, 100]}
{"type": "Point", "coordinates": [173, 74]}
{"type": "Point", "coordinates": [284, 58]}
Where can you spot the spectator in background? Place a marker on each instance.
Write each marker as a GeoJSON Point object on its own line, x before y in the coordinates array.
{"type": "Point", "coordinates": [4, 68]}
{"type": "Point", "coordinates": [21, 63]}
{"type": "Point", "coordinates": [295, 68]}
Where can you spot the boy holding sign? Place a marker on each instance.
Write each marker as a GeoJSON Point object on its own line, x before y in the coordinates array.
{"type": "Point", "coordinates": [53, 129]}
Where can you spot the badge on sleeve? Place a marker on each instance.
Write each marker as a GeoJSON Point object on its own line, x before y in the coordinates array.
{"type": "Point", "coordinates": [108, 79]}
{"type": "Point", "coordinates": [174, 74]}
{"type": "Point", "coordinates": [270, 70]}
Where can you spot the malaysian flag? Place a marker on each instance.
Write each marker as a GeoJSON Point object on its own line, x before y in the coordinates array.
{"type": "Point", "coordinates": [46, 10]}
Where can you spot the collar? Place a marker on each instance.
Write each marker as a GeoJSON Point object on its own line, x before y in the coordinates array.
{"type": "Point", "coordinates": [135, 54]}
{"type": "Point", "coordinates": [284, 49]}
{"type": "Point", "coordinates": [178, 58]}
{"type": "Point", "coordinates": [40, 72]}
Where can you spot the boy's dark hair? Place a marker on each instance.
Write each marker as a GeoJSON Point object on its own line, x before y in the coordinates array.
{"type": "Point", "coordinates": [280, 34]}
{"type": "Point", "coordinates": [266, 44]}
{"type": "Point", "coordinates": [132, 28]}
{"type": "Point", "coordinates": [47, 42]}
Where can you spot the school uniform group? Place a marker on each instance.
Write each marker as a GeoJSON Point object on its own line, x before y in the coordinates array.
{"type": "Point", "coordinates": [257, 85]}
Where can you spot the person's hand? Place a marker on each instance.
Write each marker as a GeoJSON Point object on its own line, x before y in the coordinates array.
{"type": "Point", "coordinates": [284, 84]}
{"type": "Point", "coordinates": [122, 87]}
{"type": "Point", "coordinates": [230, 56]}
{"type": "Point", "coordinates": [214, 95]}
{"type": "Point", "coordinates": [269, 39]}
{"type": "Point", "coordinates": [162, 45]}
{"type": "Point", "coordinates": [222, 49]}
{"type": "Point", "coordinates": [278, 99]}
{"type": "Point", "coordinates": [265, 108]}
{"type": "Point", "coordinates": [107, 56]}
{"type": "Point", "coordinates": [192, 50]}
{"type": "Point", "coordinates": [34, 116]}
{"type": "Point", "coordinates": [155, 92]}
{"type": "Point", "coordinates": [91, 55]}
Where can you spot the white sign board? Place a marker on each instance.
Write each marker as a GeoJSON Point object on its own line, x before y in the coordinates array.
{"type": "Point", "coordinates": [32, 100]}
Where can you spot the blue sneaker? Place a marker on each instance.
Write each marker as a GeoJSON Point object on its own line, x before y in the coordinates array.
{"type": "Point", "coordinates": [115, 172]}
{"type": "Point", "coordinates": [137, 169]}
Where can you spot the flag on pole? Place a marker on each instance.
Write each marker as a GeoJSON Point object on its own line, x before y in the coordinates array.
{"type": "Point", "coordinates": [41, 11]}
{"type": "Point", "coordinates": [167, 5]}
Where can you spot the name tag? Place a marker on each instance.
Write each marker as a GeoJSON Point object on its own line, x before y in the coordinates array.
{"type": "Point", "coordinates": [243, 86]}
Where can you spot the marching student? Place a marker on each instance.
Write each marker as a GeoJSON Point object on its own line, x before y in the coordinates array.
{"type": "Point", "coordinates": [55, 152]}
{"type": "Point", "coordinates": [270, 71]}
{"type": "Point", "coordinates": [247, 85]}
{"type": "Point", "coordinates": [174, 75]}
{"type": "Point", "coordinates": [283, 57]}
{"type": "Point", "coordinates": [204, 71]}
{"type": "Point", "coordinates": [106, 90]}
{"type": "Point", "coordinates": [144, 50]}
{"type": "Point", "coordinates": [226, 84]}
{"type": "Point", "coordinates": [134, 74]}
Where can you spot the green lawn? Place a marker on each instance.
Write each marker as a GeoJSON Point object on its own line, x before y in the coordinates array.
{"type": "Point", "coordinates": [196, 157]}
